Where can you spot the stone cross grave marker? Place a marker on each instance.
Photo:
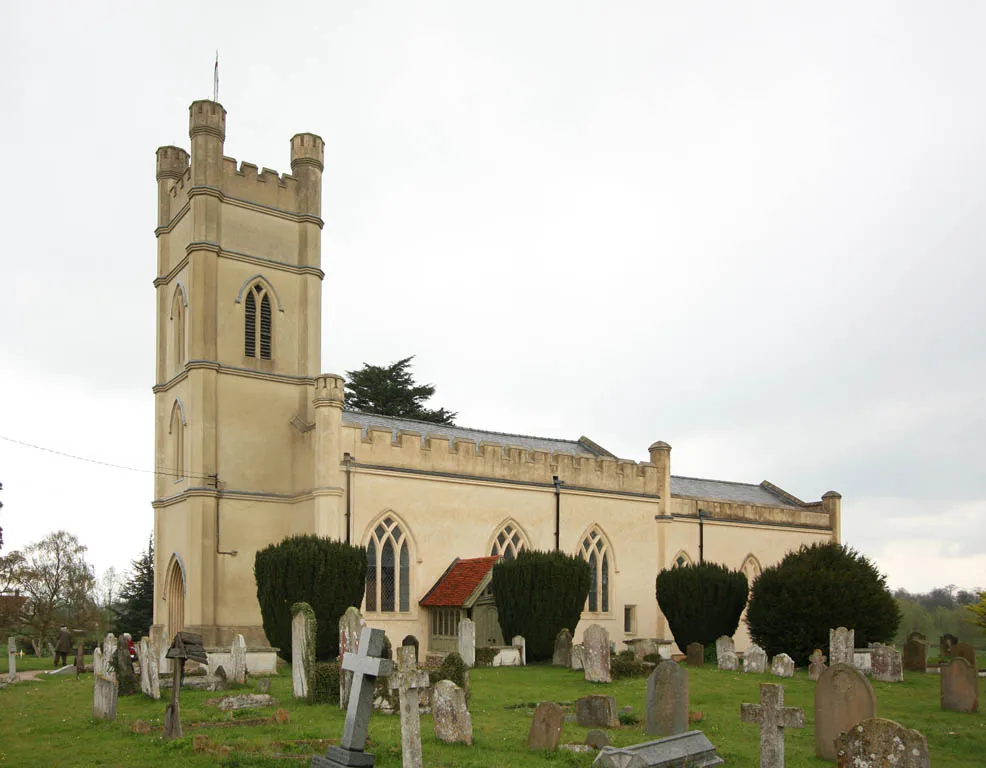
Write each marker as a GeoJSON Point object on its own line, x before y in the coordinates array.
{"type": "Point", "coordinates": [667, 699]}
{"type": "Point", "coordinates": [186, 645]}
{"type": "Point", "coordinates": [11, 659]}
{"type": "Point", "coordinates": [366, 666]}
{"type": "Point", "coordinates": [467, 642]}
{"type": "Point", "coordinates": [350, 627]}
{"type": "Point", "coordinates": [562, 656]}
{"type": "Point", "coordinates": [754, 659]}
{"type": "Point", "coordinates": [843, 697]}
{"type": "Point", "coordinates": [876, 743]}
{"type": "Point", "coordinates": [407, 679]}
{"type": "Point", "coordinates": [959, 686]}
{"type": "Point", "coordinates": [816, 665]}
{"type": "Point", "coordinates": [782, 666]}
{"type": "Point", "coordinates": [303, 629]}
{"type": "Point", "coordinates": [842, 642]}
{"type": "Point", "coordinates": [726, 658]}
{"type": "Point", "coordinates": [596, 660]}
{"type": "Point", "coordinates": [773, 717]}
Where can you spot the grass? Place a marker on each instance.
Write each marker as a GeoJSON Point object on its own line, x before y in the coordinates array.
{"type": "Point", "coordinates": [49, 722]}
{"type": "Point", "coordinates": [31, 662]}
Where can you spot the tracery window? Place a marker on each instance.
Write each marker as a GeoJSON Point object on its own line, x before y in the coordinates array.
{"type": "Point", "coordinates": [681, 559]}
{"type": "Point", "coordinates": [508, 542]}
{"type": "Point", "coordinates": [257, 336]}
{"type": "Point", "coordinates": [177, 431]}
{"type": "Point", "coordinates": [595, 550]}
{"type": "Point", "coordinates": [388, 568]}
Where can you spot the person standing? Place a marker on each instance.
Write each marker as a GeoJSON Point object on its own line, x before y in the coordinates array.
{"type": "Point", "coordinates": [63, 644]}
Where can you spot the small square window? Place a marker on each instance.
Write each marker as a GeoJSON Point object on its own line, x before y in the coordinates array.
{"type": "Point", "coordinates": [630, 619]}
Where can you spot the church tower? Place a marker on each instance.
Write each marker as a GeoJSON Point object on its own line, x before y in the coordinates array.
{"type": "Point", "coordinates": [238, 340]}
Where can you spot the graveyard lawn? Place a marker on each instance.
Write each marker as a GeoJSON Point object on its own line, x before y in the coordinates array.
{"type": "Point", "coordinates": [32, 662]}
{"type": "Point", "coordinates": [49, 722]}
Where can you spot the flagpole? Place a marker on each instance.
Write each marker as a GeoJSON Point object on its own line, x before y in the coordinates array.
{"type": "Point", "coordinates": [215, 79]}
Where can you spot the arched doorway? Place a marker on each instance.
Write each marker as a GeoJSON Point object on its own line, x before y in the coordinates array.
{"type": "Point", "coordinates": [174, 594]}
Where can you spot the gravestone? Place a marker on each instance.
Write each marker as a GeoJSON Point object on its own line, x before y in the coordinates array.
{"type": "Point", "coordinates": [843, 697]}
{"type": "Point", "coordinates": [878, 743]}
{"type": "Point", "coordinates": [578, 657]}
{"type": "Point", "coordinates": [754, 659]}
{"type": "Point", "coordinates": [412, 641]}
{"type": "Point", "coordinates": [959, 686]}
{"type": "Point", "coordinates": [222, 678]}
{"type": "Point", "coordinates": [303, 628]}
{"type": "Point", "coordinates": [109, 651]}
{"type": "Point", "coordinates": [686, 750]}
{"type": "Point", "coordinates": [596, 712]}
{"type": "Point", "coordinates": [862, 659]}
{"type": "Point", "coordinates": [521, 644]}
{"type": "Point", "coordinates": [597, 739]}
{"type": "Point", "coordinates": [667, 700]}
{"type": "Point", "coordinates": [104, 692]}
{"type": "Point", "coordinates": [407, 680]}
{"type": "Point", "coordinates": [964, 651]}
{"type": "Point", "coordinates": [842, 641]}
{"type": "Point", "coordinates": [816, 665]}
{"type": "Point", "coordinates": [350, 628]}
{"type": "Point", "coordinates": [237, 651]}
{"type": "Point", "coordinates": [782, 666]}
{"type": "Point", "coordinates": [11, 659]}
{"type": "Point", "coordinates": [127, 683]}
{"type": "Point", "coordinates": [80, 660]}
{"type": "Point", "coordinates": [886, 664]}
{"type": "Point", "coordinates": [366, 666]}
{"type": "Point", "coordinates": [726, 658]}
{"type": "Point", "coordinates": [945, 644]}
{"type": "Point", "coordinates": [773, 717]}
{"type": "Point", "coordinates": [546, 726]}
{"type": "Point", "coordinates": [695, 655]}
{"type": "Point", "coordinates": [562, 656]}
{"type": "Point", "coordinates": [467, 642]}
{"type": "Point", "coordinates": [915, 656]}
{"type": "Point", "coordinates": [595, 641]}
{"type": "Point", "coordinates": [450, 713]}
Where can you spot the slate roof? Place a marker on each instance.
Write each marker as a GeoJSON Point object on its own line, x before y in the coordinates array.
{"type": "Point", "coordinates": [529, 442]}
{"type": "Point", "coordinates": [455, 586]}
{"type": "Point", "coordinates": [721, 490]}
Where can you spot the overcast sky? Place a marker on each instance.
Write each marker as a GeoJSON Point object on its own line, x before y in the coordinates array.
{"type": "Point", "coordinates": [753, 232]}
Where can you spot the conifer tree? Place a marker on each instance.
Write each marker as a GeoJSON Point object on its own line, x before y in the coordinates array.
{"type": "Point", "coordinates": [391, 391]}
{"type": "Point", "coordinates": [135, 608]}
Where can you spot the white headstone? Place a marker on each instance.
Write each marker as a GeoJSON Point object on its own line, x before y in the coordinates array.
{"type": "Point", "coordinates": [578, 657]}
{"type": "Point", "coordinates": [149, 681]}
{"type": "Point", "coordinates": [726, 654]}
{"type": "Point", "coordinates": [782, 666]}
{"type": "Point", "coordinates": [842, 641]}
{"type": "Point", "coordinates": [467, 642]}
{"type": "Point", "coordinates": [754, 659]}
{"type": "Point", "coordinates": [109, 651]}
{"type": "Point", "coordinates": [451, 715]}
{"type": "Point", "coordinates": [104, 693]}
{"type": "Point", "coordinates": [11, 659]}
{"type": "Point", "coordinates": [350, 627]}
{"type": "Point", "coordinates": [302, 652]}
{"type": "Point", "coordinates": [238, 653]}
{"type": "Point", "coordinates": [595, 641]}
{"type": "Point", "coordinates": [521, 643]}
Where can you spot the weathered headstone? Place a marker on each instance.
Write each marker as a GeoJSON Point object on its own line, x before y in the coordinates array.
{"type": "Point", "coordinates": [407, 679]}
{"type": "Point", "coordinates": [11, 659]}
{"type": "Point", "coordinates": [667, 700]}
{"type": "Point", "coordinates": [754, 659]}
{"type": "Point", "coordinates": [546, 726]}
{"type": "Point", "coordinates": [878, 743]}
{"type": "Point", "coordinates": [150, 682]}
{"type": "Point", "coordinates": [412, 641]}
{"type": "Point", "coordinates": [350, 627]}
{"type": "Point", "coordinates": [238, 652]}
{"type": "Point", "coordinates": [126, 679]}
{"type": "Point", "coordinates": [596, 711]}
{"type": "Point", "coordinates": [695, 655]}
{"type": "Point", "coordinates": [726, 658]}
{"type": "Point", "coordinates": [964, 651]}
{"type": "Point", "coordinates": [366, 666]}
{"type": "Point", "coordinates": [862, 659]}
{"type": "Point", "coordinates": [782, 665]}
{"type": "Point", "coordinates": [959, 686]}
{"type": "Point", "coordinates": [453, 723]}
{"type": "Point", "coordinates": [596, 739]}
{"type": "Point", "coordinates": [104, 692]}
{"type": "Point", "coordinates": [244, 701]}
{"type": "Point", "coordinates": [595, 641]}
{"type": "Point", "coordinates": [521, 644]}
{"type": "Point", "coordinates": [816, 665]}
{"type": "Point", "coordinates": [842, 641]}
{"type": "Point", "coordinates": [843, 697]}
{"type": "Point", "coordinates": [945, 644]}
{"type": "Point", "coordinates": [562, 656]}
{"type": "Point", "coordinates": [691, 750]}
{"type": "Point", "coordinates": [467, 642]}
{"type": "Point", "coordinates": [915, 655]}
{"type": "Point", "coordinates": [109, 651]}
{"type": "Point", "coordinates": [303, 628]}
{"type": "Point", "coordinates": [773, 717]}
{"type": "Point", "coordinates": [578, 657]}
{"type": "Point", "coordinates": [80, 660]}
{"type": "Point", "coordinates": [886, 664]}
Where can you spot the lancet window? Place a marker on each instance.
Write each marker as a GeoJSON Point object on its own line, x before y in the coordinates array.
{"type": "Point", "coordinates": [257, 331]}
{"type": "Point", "coordinates": [596, 551]}
{"type": "Point", "coordinates": [177, 432]}
{"type": "Point", "coordinates": [388, 568]}
{"type": "Point", "coordinates": [178, 327]}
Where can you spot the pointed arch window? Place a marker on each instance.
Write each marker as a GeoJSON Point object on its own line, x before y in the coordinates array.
{"type": "Point", "coordinates": [508, 542]}
{"type": "Point", "coordinates": [257, 330]}
{"type": "Point", "coordinates": [596, 551]}
{"type": "Point", "coordinates": [178, 327]}
{"type": "Point", "coordinates": [681, 559]}
{"type": "Point", "coordinates": [388, 568]}
{"type": "Point", "coordinates": [751, 569]}
{"type": "Point", "coordinates": [177, 431]}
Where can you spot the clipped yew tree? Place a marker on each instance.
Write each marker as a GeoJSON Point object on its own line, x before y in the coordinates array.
{"type": "Point", "coordinates": [701, 602]}
{"type": "Point", "coordinates": [328, 575]}
{"type": "Point", "coordinates": [537, 595]}
{"type": "Point", "coordinates": [795, 603]}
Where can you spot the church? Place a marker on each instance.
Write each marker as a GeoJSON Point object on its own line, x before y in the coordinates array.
{"type": "Point", "coordinates": [253, 444]}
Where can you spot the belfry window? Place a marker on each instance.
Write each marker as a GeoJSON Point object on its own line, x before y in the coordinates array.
{"type": "Point", "coordinates": [595, 551]}
{"type": "Point", "coordinates": [388, 568]}
{"type": "Point", "coordinates": [257, 335]}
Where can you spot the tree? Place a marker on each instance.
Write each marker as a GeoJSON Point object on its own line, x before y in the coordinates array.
{"type": "Point", "coordinates": [794, 604]}
{"type": "Point", "coordinates": [134, 607]}
{"type": "Point", "coordinates": [328, 575]}
{"type": "Point", "coordinates": [978, 611]}
{"type": "Point", "coordinates": [58, 583]}
{"type": "Point", "coordinates": [701, 602]}
{"type": "Point", "coordinates": [537, 595]}
{"type": "Point", "coordinates": [391, 391]}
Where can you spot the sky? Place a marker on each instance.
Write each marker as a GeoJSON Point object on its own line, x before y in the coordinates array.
{"type": "Point", "coordinates": [754, 231]}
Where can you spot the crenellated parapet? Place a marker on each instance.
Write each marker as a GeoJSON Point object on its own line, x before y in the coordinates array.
{"type": "Point", "coordinates": [495, 461]}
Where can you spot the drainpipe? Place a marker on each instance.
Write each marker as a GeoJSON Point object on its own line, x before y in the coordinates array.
{"type": "Point", "coordinates": [348, 459]}
{"type": "Point", "coordinates": [557, 484]}
{"type": "Point", "coordinates": [701, 535]}
{"type": "Point", "coordinates": [214, 481]}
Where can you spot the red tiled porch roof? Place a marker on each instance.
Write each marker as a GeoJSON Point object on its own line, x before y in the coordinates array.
{"type": "Point", "coordinates": [459, 582]}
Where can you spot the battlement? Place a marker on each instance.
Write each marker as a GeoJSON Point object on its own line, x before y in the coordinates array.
{"type": "Point", "coordinates": [459, 456]}
{"type": "Point", "coordinates": [207, 117]}
{"type": "Point", "coordinates": [172, 162]}
{"type": "Point", "coordinates": [307, 149]}
{"type": "Point", "coordinates": [263, 186]}
{"type": "Point", "coordinates": [329, 389]}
